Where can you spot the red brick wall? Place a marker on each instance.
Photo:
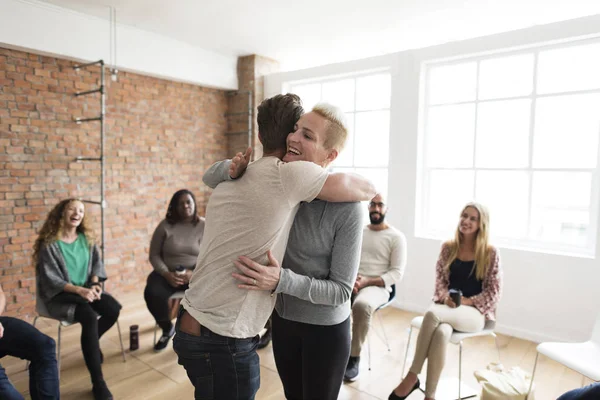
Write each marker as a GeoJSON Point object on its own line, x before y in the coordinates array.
{"type": "Point", "coordinates": [160, 136]}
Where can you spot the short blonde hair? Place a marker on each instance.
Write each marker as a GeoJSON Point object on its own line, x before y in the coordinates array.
{"type": "Point", "coordinates": [337, 129]}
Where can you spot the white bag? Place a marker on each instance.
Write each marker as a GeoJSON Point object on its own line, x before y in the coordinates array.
{"type": "Point", "coordinates": [498, 383]}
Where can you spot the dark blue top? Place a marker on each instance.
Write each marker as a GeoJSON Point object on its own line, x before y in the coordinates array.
{"type": "Point", "coordinates": [462, 277]}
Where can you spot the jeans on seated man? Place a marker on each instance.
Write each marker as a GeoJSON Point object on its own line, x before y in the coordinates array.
{"type": "Point", "coordinates": [22, 340]}
{"type": "Point", "coordinates": [382, 264]}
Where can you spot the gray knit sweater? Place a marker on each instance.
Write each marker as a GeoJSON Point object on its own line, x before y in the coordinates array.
{"type": "Point", "coordinates": [321, 262]}
{"type": "Point", "coordinates": [52, 276]}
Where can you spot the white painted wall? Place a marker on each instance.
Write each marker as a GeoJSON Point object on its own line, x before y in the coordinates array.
{"type": "Point", "coordinates": [46, 29]}
{"type": "Point", "coordinates": [546, 297]}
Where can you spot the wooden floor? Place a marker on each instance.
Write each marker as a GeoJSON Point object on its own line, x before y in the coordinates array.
{"type": "Point", "coordinates": [150, 375]}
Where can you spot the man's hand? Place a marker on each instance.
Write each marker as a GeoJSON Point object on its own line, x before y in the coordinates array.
{"type": "Point", "coordinates": [1, 331]}
{"type": "Point", "coordinates": [466, 301]}
{"type": "Point", "coordinates": [239, 163]}
{"type": "Point", "coordinates": [361, 282]}
{"type": "Point", "coordinates": [256, 276]}
{"type": "Point", "coordinates": [174, 279]}
{"type": "Point", "coordinates": [88, 294]}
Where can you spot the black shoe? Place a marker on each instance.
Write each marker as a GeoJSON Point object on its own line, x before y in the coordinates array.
{"type": "Point", "coordinates": [101, 392]}
{"type": "Point", "coordinates": [265, 340]}
{"type": "Point", "coordinates": [163, 341]}
{"type": "Point", "coordinates": [352, 369]}
{"type": "Point", "coordinates": [394, 396]}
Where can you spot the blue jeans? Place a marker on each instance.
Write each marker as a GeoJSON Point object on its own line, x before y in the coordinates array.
{"type": "Point", "coordinates": [590, 392]}
{"type": "Point", "coordinates": [22, 340]}
{"type": "Point", "coordinates": [219, 367]}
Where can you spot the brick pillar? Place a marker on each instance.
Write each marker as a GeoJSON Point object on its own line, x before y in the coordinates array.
{"type": "Point", "coordinates": [251, 72]}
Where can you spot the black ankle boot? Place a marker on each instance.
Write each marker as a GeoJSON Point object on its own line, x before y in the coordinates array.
{"type": "Point", "coordinates": [101, 392]}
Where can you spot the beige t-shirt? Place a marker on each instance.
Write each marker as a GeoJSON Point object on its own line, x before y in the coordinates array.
{"type": "Point", "coordinates": [247, 216]}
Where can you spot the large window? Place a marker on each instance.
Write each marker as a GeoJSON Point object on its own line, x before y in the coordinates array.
{"type": "Point", "coordinates": [518, 132]}
{"type": "Point", "coordinates": [365, 99]}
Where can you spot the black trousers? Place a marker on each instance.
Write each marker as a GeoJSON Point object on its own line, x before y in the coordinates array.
{"type": "Point", "coordinates": [92, 327]}
{"type": "Point", "coordinates": [311, 359]}
{"type": "Point", "coordinates": [156, 294]}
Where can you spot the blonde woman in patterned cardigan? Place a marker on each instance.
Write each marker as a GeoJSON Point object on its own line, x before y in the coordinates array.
{"type": "Point", "coordinates": [468, 263]}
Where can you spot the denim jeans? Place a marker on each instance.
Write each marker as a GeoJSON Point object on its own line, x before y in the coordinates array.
{"type": "Point", "coordinates": [219, 367]}
{"type": "Point", "coordinates": [590, 392]}
{"type": "Point", "coordinates": [22, 340]}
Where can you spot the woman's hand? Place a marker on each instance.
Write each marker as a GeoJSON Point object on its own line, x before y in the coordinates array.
{"type": "Point", "coordinates": [88, 294]}
{"type": "Point", "coordinates": [239, 163]}
{"type": "Point", "coordinates": [466, 301]}
{"type": "Point", "coordinates": [97, 290]}
{"type": "Point", "coordinates": [187, 276]}
{"type": "Point", "coordinates": [174, 279]}
{"type": "Point", "coordinates": [256, 276]}
{"type": "Point", "coordinates": [449, 302]}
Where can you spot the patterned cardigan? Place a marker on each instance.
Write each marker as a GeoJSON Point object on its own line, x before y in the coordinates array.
{"type": "Point", "coordinates": [487, 301]}
{"type": "Point", "coordinates": [52, 276]}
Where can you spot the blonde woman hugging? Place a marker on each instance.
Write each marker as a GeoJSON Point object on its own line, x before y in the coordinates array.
{"type": "Point", "coordinates": [467, 263]}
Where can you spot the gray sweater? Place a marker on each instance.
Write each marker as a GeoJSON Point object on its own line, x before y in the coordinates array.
{"type": "Point", "coordinates": [52, 276]}
{"type": "Point", "coordinates": [320, 263]}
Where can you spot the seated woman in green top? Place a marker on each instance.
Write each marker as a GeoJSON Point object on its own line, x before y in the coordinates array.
{"type": "Point", "coordinates": [69, 273]}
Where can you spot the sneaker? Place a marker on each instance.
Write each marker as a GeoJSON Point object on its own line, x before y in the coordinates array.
{"type": "Point", "coordinates": [352, 369]}
{"type": "Point", "coordinates": [265, 339]}
{"type": "Point", "coordinates": [163, 341]}
{"type": "Point", "coordinates": [101, 392]}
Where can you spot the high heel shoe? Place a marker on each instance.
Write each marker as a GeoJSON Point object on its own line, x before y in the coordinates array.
{"type": "Point", "coordinates": [394, 396]}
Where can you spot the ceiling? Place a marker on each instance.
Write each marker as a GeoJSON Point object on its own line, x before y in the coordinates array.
{"type": "Point", "coordinates": [301, 34]}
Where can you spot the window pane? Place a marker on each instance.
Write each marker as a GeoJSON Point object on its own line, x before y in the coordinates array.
{"type": "Point", "coordinates": [566, 131]}
{"type": "Point", "coordinates": [449, 138]}
{"type": "Point", "coordinates": [506, 77]}
{"type": "Point", "coordinates": [506, 195]}
{"type": "Point", "coordinates": [503, 134]}
{"type": "Point", "coordinates": [452, 83]}
{"type": "Point", "coordinates": [571, 68]}
{"type": "Point", "coordinates": [449, 191]}
{"type": "Point", "coordinates": [372, 139]}
{"type": "Point", "coordinates": [346, 157]}
{"type": "Point", "coordinates": [373, 92]}
{"type": "Point", "coordinates": [560, 207]}
{"type": "Point", "coordinates": [309, 94]}
{"type": "Point", "coordinates": [339, 93]}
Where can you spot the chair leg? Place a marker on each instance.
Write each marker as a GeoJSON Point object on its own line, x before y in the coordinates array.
{"type": "Point", "coordinates": [532, 375]}
{"type": "Point", "coordinates": [58, 351]}
{"type": "Point", "coordinates": [369, 349]}
{"type": "Point", "coordinates": [497, 347]}
{"type": "Point", "coordinates": [121, 340]}
{"type": "Point", "coordinates": [387, 344]}
{"type": "Point", "coordinates": [460, 345]}
{"type": "Point", "coordinates": [406, 353]}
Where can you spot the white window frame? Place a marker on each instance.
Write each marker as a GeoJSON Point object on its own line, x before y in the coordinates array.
{"type": "Point", "coordinates": [288, 87]}
{"type": "Point", "coordinates": [423, 172]}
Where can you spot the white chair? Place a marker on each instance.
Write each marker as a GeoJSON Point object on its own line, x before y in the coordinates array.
{"type": "Point", "coordinates": [42, 311]}
{"type": "Point", "coordinates": [456, 338]}
{"type": "Point", "coordinates": [384, 339]}
{"type": "Point", "coordinates": [177, 296]}
{"type": "Point", "coordinates": [583, 358]}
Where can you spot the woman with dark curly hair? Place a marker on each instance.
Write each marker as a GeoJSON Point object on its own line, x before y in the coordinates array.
{"type": "Point", "coordinates": [69, 273]}
{"type": "Point", "coordinates": [173, 252]}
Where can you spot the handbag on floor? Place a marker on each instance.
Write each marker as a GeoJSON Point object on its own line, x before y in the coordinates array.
{"type": "Point", "coordinates": [498, 383]}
